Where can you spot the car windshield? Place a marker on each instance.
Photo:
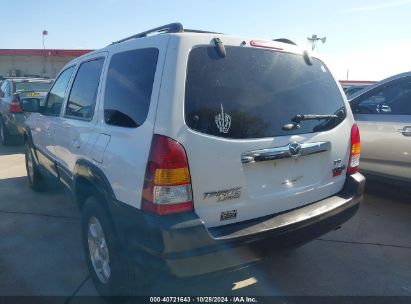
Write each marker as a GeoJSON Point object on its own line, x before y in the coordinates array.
{"type": "Point", "coordinates": [253, 93]}
{"type": "Point", "coordinates": [41, 86]}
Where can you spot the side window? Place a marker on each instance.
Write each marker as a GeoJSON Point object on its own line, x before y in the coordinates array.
{"type": "Point", "coordinates": [5, 89]}
{"type": "Point", "coordinates": [82, 98]}
{"type": "Point", "coordinates": [57, 92]}
{"type": "Point", "coordinates": [392, 99]}
{"type": "Point", "coordinates": [128, 87]}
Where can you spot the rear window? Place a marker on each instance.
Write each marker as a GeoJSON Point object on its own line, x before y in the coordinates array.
{"type": "Point", "coordinates": [32, 86]}
{"type": "Point", "coordinates": [253, 93]}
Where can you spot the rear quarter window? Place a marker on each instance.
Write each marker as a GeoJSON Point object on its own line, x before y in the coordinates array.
{"type": "Point", "coordinates": [129, 86]}
{"type": "Point", "coordinates": [253, 93]}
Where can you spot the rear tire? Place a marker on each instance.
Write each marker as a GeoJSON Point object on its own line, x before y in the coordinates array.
{"type": "Point", "coordinates": [5, 138]}
{"type": "Point", "coordinates": [36, 180]}
{"type": "Point", "coordinates": [112, 272]}
{"type": "Point", "coordinates": [18, 140]}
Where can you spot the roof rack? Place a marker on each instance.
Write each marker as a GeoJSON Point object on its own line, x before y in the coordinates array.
{"type": "Point", "coordinates": [168, 28]}
{"type": "Point", "coordinates": [200, 32]}
{"type": "Point", "coordinates": [285, 40]}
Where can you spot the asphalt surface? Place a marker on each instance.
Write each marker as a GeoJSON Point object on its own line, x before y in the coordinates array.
{"type": "Point", "coordinates": [41, 251]}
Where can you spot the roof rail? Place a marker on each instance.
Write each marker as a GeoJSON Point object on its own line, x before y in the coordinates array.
{"type": "Point", "coordinates": [168, 28]}
{"type": "Point", "coordinates": [285, 40]}
{"type": "Point", "coordinates": [200, 32]}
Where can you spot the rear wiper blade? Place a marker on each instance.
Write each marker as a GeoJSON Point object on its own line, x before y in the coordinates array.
{"type": "Point", "coordinates": [301, 117]}
{"type": "Point", "coordinates": [297, 119]}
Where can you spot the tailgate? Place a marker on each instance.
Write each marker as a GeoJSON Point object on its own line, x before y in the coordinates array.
{"type": "Point", "coordinates": [227, 189]}
{"type": "Point", "coordinates": [247, 156]}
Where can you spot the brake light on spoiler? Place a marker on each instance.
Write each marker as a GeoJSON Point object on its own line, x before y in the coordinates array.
{"type": "Point", "coordinates": [264, 44]}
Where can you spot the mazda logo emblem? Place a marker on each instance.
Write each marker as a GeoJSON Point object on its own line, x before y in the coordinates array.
{"type": "Point", "coordinates": [294, 149]}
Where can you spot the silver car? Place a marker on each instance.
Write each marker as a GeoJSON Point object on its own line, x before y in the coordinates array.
{"type": "Point", "coordinates": [18, 97]}
{"type": "Point", "coordinates": [383, 114]}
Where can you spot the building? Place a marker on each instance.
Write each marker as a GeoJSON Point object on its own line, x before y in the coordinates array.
{"type": "Point", "coordinates": [356, 83]}
{"type": "Point", "coordinates": [35, 62]}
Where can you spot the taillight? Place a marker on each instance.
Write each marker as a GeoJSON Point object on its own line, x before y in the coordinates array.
{"type": "Point", "coordinates": [354, 161]}
{"type": "Point", "coordinates": [14, 106]}
{"type": "Point", "coordinates": [167, 182]}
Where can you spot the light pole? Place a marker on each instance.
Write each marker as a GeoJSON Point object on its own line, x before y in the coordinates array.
{"type": "Point", "coordinates": [313, 40]}
{"type": "Point", "coordinates": [45, 33]}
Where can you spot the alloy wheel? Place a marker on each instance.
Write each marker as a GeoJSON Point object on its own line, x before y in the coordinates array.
{"type": "Point", "coordinates": [98, 250]}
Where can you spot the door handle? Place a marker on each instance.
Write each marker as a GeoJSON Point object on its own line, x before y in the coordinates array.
{"type": "Point", "coordinates": [76, 144]}
{"type": "Point", "coordinates": [406, 131]}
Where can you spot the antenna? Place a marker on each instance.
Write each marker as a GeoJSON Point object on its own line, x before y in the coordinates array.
{"type": "Point", "coordinates": [313, 40]}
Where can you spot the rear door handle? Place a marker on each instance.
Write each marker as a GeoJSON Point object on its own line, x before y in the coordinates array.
{"type": "Point", "coordinates": [406, 131]}
{"type": "Point", "coordinates": [76, 144]}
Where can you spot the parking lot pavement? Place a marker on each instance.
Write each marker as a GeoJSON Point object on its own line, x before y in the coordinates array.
{"type": "Point", "coordinates": [41, 251]}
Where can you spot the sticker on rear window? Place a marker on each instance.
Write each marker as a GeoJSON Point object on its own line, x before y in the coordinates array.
{"type": "Point", "coordinates": [228, 215]}
{"type": "Point", "coordinates": [223, 121]}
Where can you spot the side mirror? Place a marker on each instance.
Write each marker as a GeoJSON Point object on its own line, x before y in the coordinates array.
{"type": "Point", "coordinates": [384, 108]}
{"type": "Point", "coordinates": [1, 94]}
{"type": "Point", "coordinates": [30, 105]}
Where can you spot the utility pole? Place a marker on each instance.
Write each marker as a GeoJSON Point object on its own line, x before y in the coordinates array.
{"type": "Point", "coordinates": [313, 40]}
{"type": "Point", "coordinates": [45, 33]}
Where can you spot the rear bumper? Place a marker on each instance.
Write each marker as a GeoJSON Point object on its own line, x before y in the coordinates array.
{"type": "Point", "coordinates": [182, 245]}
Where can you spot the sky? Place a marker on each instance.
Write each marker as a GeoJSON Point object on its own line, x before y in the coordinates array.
{"type": "Point", "coordinates": [366, 39]}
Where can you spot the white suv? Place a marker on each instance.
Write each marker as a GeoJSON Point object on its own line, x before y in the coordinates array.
{"type": "Point", "coordinates": [191, 152]}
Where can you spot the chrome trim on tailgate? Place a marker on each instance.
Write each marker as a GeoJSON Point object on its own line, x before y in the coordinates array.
{"type": "Point", "coordinates": [293, 149]}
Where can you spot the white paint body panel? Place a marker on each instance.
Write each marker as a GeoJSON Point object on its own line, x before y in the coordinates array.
{"type": "Point", "coordinates": [125, 157]}
{"type": "Point", "coordinates": [43, 132]}
{"type": "Point", "coordinates": [99, 147]}
{"type": "Point", "coordinates": [73, 137]}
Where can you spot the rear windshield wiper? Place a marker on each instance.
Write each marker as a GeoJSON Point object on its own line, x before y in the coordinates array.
{"type": "Point", "coordinates": [301, 117]}
{"type": "Point", "coordinates": [297, 119]}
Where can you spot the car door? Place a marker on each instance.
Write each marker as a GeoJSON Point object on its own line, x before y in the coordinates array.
{"type": "Point", "coordinates": [384, 118]}
{"type": "Point", "coordinates": [73, 133]}
{"type": "Point", "coordinates": [43, 125]}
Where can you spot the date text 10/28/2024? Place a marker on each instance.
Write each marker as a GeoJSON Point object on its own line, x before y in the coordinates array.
{"type": "Point", "coordinates": [237, 299]}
